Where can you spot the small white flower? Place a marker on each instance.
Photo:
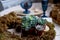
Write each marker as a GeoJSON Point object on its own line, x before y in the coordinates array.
{"type": "Point", "coordinates": [40, 27]}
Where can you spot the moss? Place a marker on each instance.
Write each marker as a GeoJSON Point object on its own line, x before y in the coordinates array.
{"type": "Point", "coordinates": [4, 35]}
{"type": "Point", "coordinates": [8, 36]}
{"type": "Point", "coordinates": [49, 35]}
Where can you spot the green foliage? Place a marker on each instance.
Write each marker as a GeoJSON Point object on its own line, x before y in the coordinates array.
{"type": "Point", "coordinates": [42, 21]}
{"type": "Point", "coordinates": [31, 21]}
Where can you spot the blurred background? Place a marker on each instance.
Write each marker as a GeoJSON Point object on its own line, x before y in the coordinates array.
{"type": "Point", "coordinates": [4, 4]}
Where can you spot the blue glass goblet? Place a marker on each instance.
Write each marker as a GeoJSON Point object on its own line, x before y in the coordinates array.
{"type": "Point", "coordinates": [44, 7]}
{"type": "Point", "coordinates": [26, 5]}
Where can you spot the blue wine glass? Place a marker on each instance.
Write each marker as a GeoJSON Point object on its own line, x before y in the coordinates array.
{"type": "Point", "coordinates": [44, 7]}
{"type": "Point", "coordinates": [26, 5]}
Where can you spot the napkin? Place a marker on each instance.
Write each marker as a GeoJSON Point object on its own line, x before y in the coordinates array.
{"type": "Point", "coordinates": [10, 3]}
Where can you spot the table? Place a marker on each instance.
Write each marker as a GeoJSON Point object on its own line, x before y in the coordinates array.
{"type": "Point", "coordinates": [38, 6]}
{"type": "Point", "coordinates": [18, 9]}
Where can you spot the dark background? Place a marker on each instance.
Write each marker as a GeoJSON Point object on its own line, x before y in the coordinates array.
{"type": "Point", "coordinates": [50, 1]}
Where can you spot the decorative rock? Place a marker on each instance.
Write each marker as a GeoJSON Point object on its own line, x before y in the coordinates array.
{"type": "Point", "coordinates": [46, 28]}
{"type": "Point", "coordinates": [40, 27]}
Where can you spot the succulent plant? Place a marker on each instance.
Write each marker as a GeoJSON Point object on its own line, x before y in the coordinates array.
{"type": "Point", "coordinates": [28, 22]}
{"type": "Point", "coordinates": [42, 21]}
{"type": "Point", "coordinates": [31, 21]}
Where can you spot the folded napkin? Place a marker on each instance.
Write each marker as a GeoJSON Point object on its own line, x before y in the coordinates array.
{"type": "Point", "coordinates": [9, 3]}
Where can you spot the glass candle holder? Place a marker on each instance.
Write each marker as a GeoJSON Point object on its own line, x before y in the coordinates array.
{"type": "Point", "coordinates": [44, 7]}
{"type": "Point", "coordinates": [26, 5]}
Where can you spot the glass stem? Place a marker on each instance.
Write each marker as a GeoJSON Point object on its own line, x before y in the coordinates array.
{"type": "Point", "coordinates": [26, 10]}
{"type": "Point", "coordinates": [44, 13]}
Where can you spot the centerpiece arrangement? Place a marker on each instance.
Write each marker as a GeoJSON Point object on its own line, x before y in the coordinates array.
{"type": "Point", "coordinates": [55, 14]}
{"type": "Point", "coordinates": [30, 27]}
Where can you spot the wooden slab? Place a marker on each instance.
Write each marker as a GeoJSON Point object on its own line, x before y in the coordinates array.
{"type": "Point", "coordinates": [35, 12]}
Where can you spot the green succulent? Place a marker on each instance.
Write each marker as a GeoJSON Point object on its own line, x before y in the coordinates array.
{"type": "Point", "coordinates": [42, 21]}
{"type": "Point", "coordinates": [31, 21]}
{"type": "Point", "coordinates": [28, 22]}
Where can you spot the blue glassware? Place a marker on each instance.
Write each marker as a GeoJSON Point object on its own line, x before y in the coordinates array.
{"type": "Point", "coordinates": [26, 5]}
{"type": "Point", "coordinates": [44, 7]}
